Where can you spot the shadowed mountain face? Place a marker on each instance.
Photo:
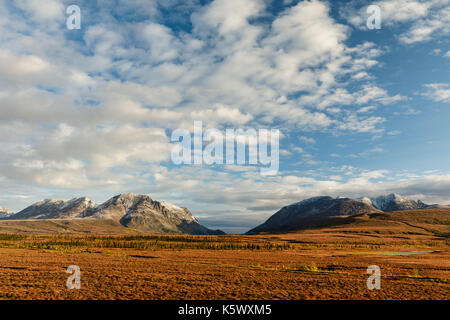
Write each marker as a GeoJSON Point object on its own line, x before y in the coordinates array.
{"type": "Point", "coordinates": [313, 212]}
{"type": "Point", "coordinates": [130, 210]}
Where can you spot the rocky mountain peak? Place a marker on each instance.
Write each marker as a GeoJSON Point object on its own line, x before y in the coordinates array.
{"type": "Point", "coordinates": [395, 202]}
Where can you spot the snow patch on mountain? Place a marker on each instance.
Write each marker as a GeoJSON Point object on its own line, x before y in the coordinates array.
{"type": "Point", "coordinates": [395, 202]}
{"type": "Point", "coordinates": [4, 213]}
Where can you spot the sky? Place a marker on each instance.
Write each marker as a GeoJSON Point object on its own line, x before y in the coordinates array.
{"type": "Point", "coordinates": [90, 111]}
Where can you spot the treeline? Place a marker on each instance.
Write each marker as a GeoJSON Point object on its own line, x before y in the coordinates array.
{"type": "Point", "coordinates": [136, 242]}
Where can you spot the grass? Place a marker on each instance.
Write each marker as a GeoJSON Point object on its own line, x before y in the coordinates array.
{"type": "Point", "coordinates": [314, 267]}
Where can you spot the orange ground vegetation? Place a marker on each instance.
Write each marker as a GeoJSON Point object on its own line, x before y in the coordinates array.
{"type": "Point", "coordinates": [326, 263]}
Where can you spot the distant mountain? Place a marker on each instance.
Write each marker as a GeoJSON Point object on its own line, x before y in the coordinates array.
{"type": "Point", "coordinates": [395, 202]}
{"type": "Point", "coordinates": [4, 213]}
{"type": "Point", "coordinates": [431, 222]}
{"type": "Point", "coordinates": [313, 212]}
{"type": "Point", "coordinates": [320, 211]}
{"type": "Point", "coordinates": [130, 210]}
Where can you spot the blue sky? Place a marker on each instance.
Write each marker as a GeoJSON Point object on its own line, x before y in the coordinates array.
{"type": "Point", "coordinates": [89, 112]}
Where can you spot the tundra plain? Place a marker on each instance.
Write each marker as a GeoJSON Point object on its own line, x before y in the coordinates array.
{"type": "Point", "coordinates": [327, 262]}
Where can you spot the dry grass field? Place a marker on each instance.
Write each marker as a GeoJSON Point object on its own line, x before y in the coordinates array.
{"type": "Point", "coordinates": [325, 263]}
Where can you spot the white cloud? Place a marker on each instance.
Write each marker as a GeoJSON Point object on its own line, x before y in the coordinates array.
{"type": "Point", "coordinates": [373, 93]}
{"type": "Point", "coordinates": [226, 16]}
{"type": "Point", "coordinates": [21, 66]}
{"type": "Point", "coordinates": [394, 132]}
{"type": "Point", "coordinates": [366, 153]}
{"type": "Point", "coordinates": [222, 114]}
{"type": "Point", "coordinates": [298, 149]}
{"type": "Point", "coordinates": [163, 46]}
{"type": "Point", "coordinates": [367, 109]}
{"type": "Point", "coordinates": [407, 110]}
{"type": "Point", "coordinates": [439, 92]}
{"type": "Point", "coordinates": [355, 123]}
{"type": "Point", "coordinates": [437, 24]}
{"type": "Point", "coordinates": [308, 140]}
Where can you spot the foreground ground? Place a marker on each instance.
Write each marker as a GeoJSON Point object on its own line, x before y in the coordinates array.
{"type": "Point", "coordinates": [327, 263]}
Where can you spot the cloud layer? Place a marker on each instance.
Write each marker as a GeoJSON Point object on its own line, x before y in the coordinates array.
{"type": "Point", "coordinates": [93, 109]}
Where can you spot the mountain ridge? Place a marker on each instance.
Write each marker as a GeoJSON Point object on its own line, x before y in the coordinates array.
{"type": "Point", "coordinates": [321, 210]}
{"type": "Point", "coordinates": [312, 212]}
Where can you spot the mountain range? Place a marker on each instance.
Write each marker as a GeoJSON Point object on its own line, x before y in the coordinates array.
{"type": "Point", "coordinates": [130, 210]}
{"type": "Point", "coordinates": [142, 213]}
{"type": "Point", "coordinates": [318, 211]}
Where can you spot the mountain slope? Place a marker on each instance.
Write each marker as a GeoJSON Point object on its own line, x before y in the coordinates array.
{"type": "Point", "coordinates": [414, 223]}
{"type": "Point", "coordinates": [65, 226]}
{"type": "Point", "coordinates": [129, 210]}
{"type": "Point", "coordinates": [313, 212]}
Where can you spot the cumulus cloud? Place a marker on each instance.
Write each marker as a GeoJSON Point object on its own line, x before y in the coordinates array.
{"type": "Point", "coordinates": [362, 124]}
{"type": "Point", "coordinates": [436, 24]}
{"type": "Point", "coordinates": [439, 92]}
{"type": "Point", "coordinates": [75, 157]}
